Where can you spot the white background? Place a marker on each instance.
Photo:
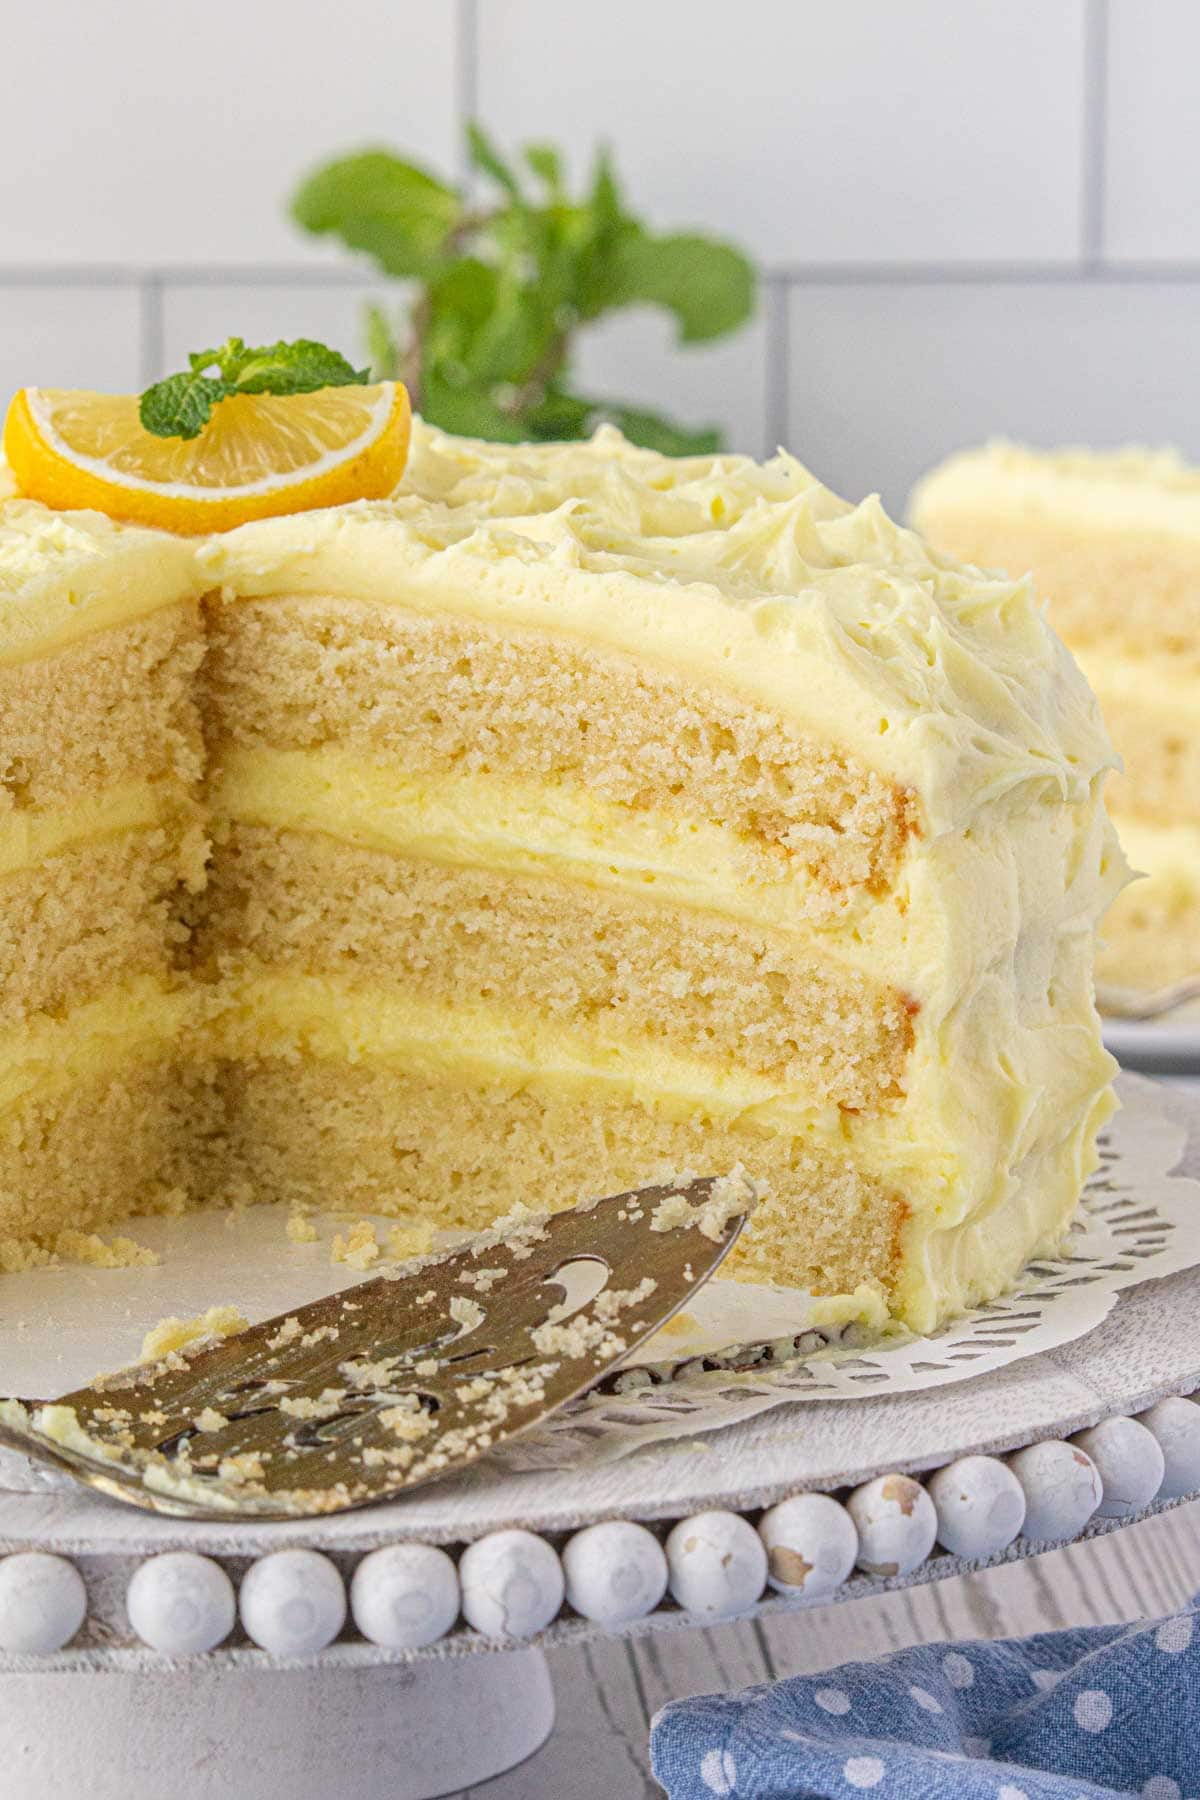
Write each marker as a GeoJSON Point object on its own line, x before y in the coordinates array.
{"type": "Point", "coordinates": [972, 218]}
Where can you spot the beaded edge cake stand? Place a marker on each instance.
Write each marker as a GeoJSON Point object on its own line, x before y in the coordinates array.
{"type": "Point", "coordinates": [340, 1656]}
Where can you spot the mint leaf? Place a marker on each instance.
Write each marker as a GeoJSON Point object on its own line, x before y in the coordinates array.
{"type": "Point", "coordinates": [546, 164]}
{"type": "Point", "coordinates": [560, 416]}
{"type": "Point", "coordinates": [485, 156]}
{"type": "Point", "coordinates": [505, 283]}
{"type": "Point", "coordinates": [382, 348]}
{"type": "Point", "coordinates": [605, 197]}
{"type": "Point", "coordinates": [393, 210]}
{"type": "Point", "coordinates": [300, 367]}
{"type": "Point", "coordinates": [653, 432]}
{"type": "Point", "coordinates": [200, 360]}
{"type": "Point", "coordinates": [707, 285]}
{"type": "Point", "coordinates": [180, 406]}
{"type": "Point", "coordinates": [470, 411]}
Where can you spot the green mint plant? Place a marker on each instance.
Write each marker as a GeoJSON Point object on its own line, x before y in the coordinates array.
{"type": "Point", "coordinates": [503, 288]}
{"type": "Point", "coordinates": [181, 405]}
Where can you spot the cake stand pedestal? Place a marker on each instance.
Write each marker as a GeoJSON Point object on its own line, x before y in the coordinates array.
{"type": "Point", "coordinates": [97, 1695]}
{"type": "Point", "coordinates": [101, 1712]}
{"type": "Point", "coordinates": [214, 1729]}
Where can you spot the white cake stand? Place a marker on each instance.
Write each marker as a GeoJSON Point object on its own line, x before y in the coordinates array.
{"type": "Point", "coordinates": [294, 1698]}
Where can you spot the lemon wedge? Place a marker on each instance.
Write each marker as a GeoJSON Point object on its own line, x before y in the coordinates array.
{"type": "Point", "coordinates": [259, 455]}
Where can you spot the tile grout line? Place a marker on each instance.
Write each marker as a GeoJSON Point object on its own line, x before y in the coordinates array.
{"type": "Point", "coordinates": [150, 327]}
{"type": "Point", "coordinates": [1072, 274]}
{"type": "Point", "coordinates": [777, 355]}
{"type": "Point", "coordinates": [1095, 133]}
{"type": "Point", "coordinates": [795, 275]}
{"type": "Point", "coordinates": [136, 275]}
{"type": "Point", "coordinates": [466, 80]}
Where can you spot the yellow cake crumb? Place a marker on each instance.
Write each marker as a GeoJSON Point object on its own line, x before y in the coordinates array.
{"type": "Point", "coordinates": [679, 1325]}
{"type": "Point", "coordinates": [307, 1406]}
{"type": "Point", "coordinates": [246, 1467]}
{"type": "Point", "coordinates": [467, 1313]}
{"type": "Point", "coordinates": [408, 1240]}
{"type": "Point", "coordinates": [287, 1333]}
{"type": "Point", "coordinates": [407, 1420]}
{"type": "Point", "coordinates": [17, 1256]}
{"type": "Point", "coordinates": [359, 1247]}
{"type": "Point", "coordinates": [171, 1335]}
{"type": "Point", "coordinates": [113, 1253]}
{"type": "Point", "coordinates": [300, 1228]}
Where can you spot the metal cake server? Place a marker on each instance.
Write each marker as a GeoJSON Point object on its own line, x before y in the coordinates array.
{"type": "Point", "coordinates": [400, 1380]}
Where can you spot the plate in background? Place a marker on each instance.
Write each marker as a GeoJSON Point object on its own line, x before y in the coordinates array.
{"type": "Point", "coordinates": [1161, 1046]}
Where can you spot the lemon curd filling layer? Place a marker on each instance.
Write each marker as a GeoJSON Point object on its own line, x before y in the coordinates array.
{"type": "Point", "coordinates": [745, 583]}
{"type": "Point", "coordinates": [28, 838]}
{"type": "Point", "coordinates": [135, 1022]}
{"type": "Point", "coordinates": [524, 827]}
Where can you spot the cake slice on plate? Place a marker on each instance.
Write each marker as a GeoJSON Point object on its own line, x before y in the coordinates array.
{"type": "Point", "coordinates": [573, 816]}
{"type": "Point", "coordinates": [1113, 540]}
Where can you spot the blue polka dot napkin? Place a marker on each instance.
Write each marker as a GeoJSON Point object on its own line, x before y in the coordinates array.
{"type": "Point", "coordinates": [1072, 1715]}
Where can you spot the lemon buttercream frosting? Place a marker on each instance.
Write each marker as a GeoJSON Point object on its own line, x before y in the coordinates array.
{"type": "Point", "coordinates": [1113, 540]}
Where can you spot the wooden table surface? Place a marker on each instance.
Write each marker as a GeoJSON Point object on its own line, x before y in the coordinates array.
{"type": "Point", "coordinates": [608, 1691]}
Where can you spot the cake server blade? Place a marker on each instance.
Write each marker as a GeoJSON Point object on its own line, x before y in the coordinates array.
{"type": "Point", "coordinates": [400, 1380]}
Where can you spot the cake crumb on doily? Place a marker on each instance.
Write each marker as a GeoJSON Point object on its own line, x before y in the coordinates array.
{"type": "Point", "coordinates": [300, 1228]}
{"type": "Point", "coordinates": [18, 1256]}
{"type": "Point", "coordinates": [172, 1335]}
{"type": "Point", "coordinates": [358, 1247]}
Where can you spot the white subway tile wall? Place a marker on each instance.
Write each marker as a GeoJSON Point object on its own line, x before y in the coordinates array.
{"type": "Point", "coordinates": [970, 220]}
{"type": "Point", "coordinates": [1152, 202]}
{"type": "Point", "coordinates": [69, 336]}
{"type": "Point", "coordinates": [863, 132]}
{"type": "Point", "coordinates": [168, 135]}
{"type": "Point", "coordinates": [886, 379]}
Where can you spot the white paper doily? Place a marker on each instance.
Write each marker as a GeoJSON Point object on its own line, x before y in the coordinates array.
{"type": "Point", "coordinates": [1137, 1221]}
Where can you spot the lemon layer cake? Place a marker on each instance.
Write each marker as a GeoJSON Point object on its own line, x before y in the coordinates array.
{"type": "Point", "coordinates": [1114, 543]}
{"type": "Point", "coordinates": [575, 815]}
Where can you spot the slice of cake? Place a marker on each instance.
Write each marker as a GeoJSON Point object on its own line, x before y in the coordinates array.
{"type": "Point", "coordinates": [575, 816]}
{"type": "Point", "coordinates": [1113, 540]}
{"type": "Point", "coordinates": [102, 839]}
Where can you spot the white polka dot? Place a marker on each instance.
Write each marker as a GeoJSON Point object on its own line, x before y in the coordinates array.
{"type": "Point", "coordinates": [958, 1671]}
{"type": "Point", "coordinates": [925, 1700]}
{"type": "Point", "coordinates": [718, 1772]}
{"type": "Point", "coordinates": [1161, 1787]}
{"type": "Point", "coordinates": [832, 1700]}
{"type": "Point", "coordinates": [863, 1771]}
{"type": "Point", "coordinates": [1008, 1792]}
{"type": "Point", "coordinates": [1174, 1635]}
{"type": "Point", "coordinates": [1093, 1709]}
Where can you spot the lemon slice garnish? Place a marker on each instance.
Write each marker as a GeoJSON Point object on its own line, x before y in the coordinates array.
{"type": "Point", "coordinates": [259, 454]}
